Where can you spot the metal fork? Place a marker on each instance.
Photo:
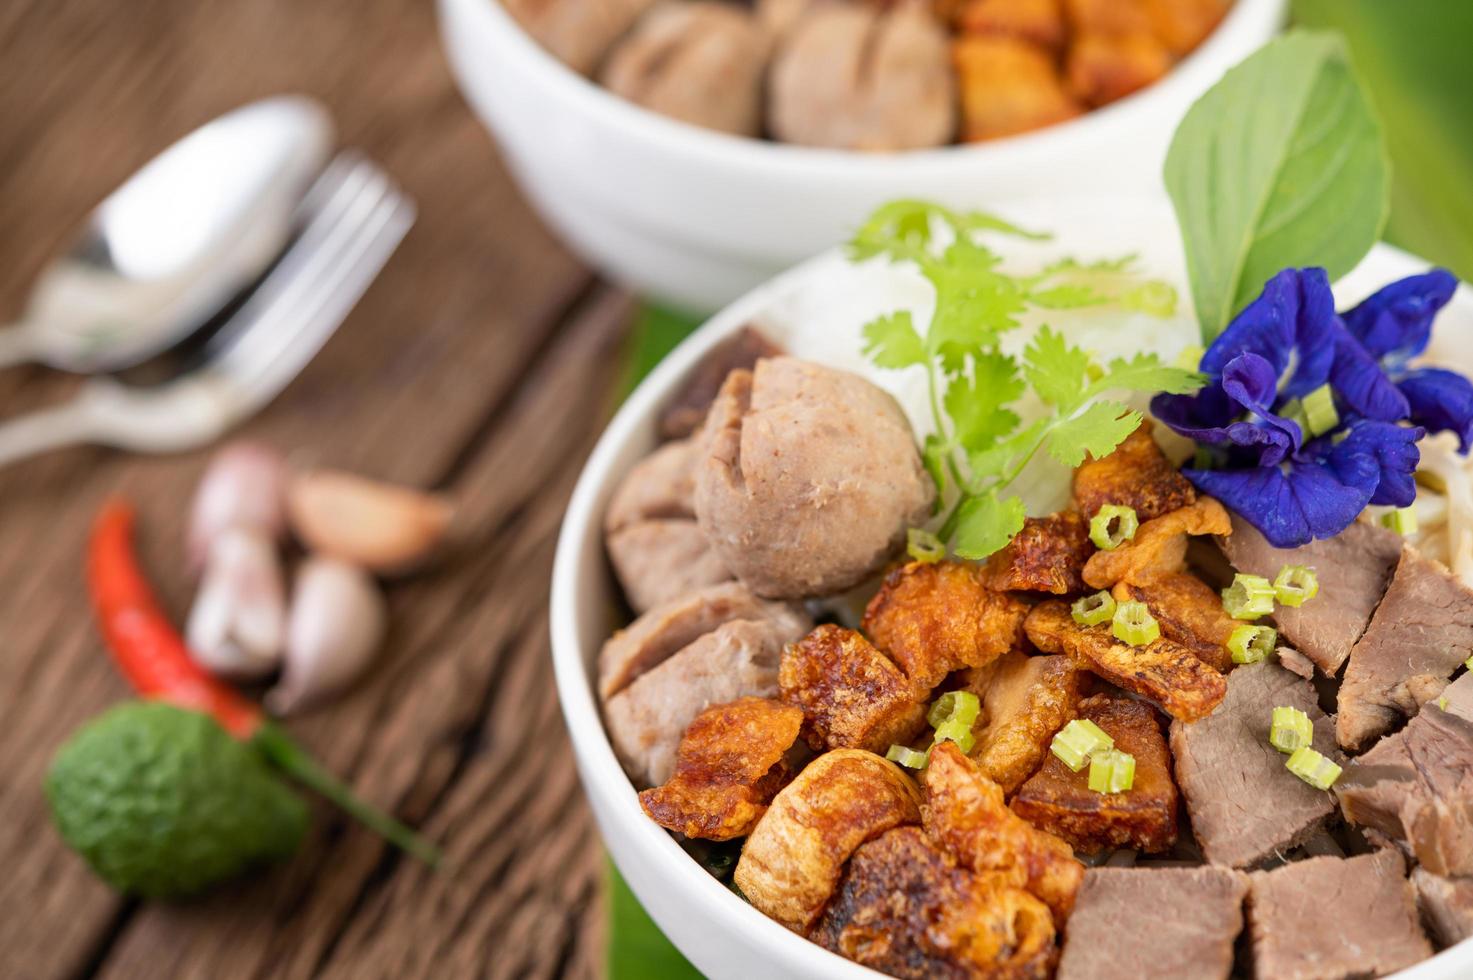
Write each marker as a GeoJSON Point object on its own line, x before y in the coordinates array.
{"type": "Point", "coordinates": [354, 219]}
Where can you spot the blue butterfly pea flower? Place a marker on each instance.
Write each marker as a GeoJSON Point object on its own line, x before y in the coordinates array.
{"type": "Point", "coordinates": [1395, 325]}
{"type": "Point", "coordinates": [1293, 486]}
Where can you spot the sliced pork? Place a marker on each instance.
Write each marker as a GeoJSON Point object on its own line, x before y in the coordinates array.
{"type": "Point", "coordinates": [660, 560]}
{"type": "Point", "coordinates": [1246, 807]}
{"type": "Point", "coordinates": [1353, 568]}
{"type": "Point", "coordinates": [1421, 632]}
{"type": "Point", "coordinates": [1332, 918]}
{"type": "Point", "coordinates": [1447, 905]}
{"type": "Point", "coordinates": [647, 719]}
{"type": "Point", "coordinates": [1130, 923]}
{"type": "Point", "coordinates": [668, 628]}
{"type": "Point", "coordinates": [1416, 787]}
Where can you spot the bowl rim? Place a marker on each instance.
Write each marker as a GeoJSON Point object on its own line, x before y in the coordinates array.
{"type": "Point", "coordinates": [1240, 30]}
{"type": "Point", "coordinates": [603, 776]}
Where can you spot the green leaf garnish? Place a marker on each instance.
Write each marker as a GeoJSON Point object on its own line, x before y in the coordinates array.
{"type": "Point", "coordinates": [980, 443]}
{"type": "Point", "coordinates": [1281, 164]}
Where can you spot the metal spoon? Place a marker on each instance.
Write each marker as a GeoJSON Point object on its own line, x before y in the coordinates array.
{"type": "Point", "coordinates": [174, 244]}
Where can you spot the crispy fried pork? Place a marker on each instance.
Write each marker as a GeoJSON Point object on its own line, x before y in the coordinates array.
{"type": "Point", "coordinates": [727, 770]}
{"type": "Point", "coordinates": [1048, 555]}
{"type": "Point", "coordinates": [904, 907]}
{"type": "Point", "coordinates": [793, 859]}
{"type": "Point", "coordinates": [1163, 671]}
{"type": "Point", "coordinates": [1190, 612]}
{"type": "Point", "coordinates": [1142, 818]}
{"type": "Point", "coordinates": [966, 815]}
{"type": "Point", "coordinates": [1025, 700]}
{"type": "Point", "coordinates": [939, 617]}
{"type": "Point", "coordinates": [852, 696]}
{"type": "Point", "coordinates": [1137, 474]}
{"type": "Point", "coordinates": [1159, 547]}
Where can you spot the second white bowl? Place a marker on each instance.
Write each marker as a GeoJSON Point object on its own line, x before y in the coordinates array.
{"type": "Point", "coordinates": [697, 218]}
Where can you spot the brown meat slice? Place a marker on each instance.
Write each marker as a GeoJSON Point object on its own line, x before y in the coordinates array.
{"type": "Point", "coordinates": [1416, 787]}
{"type": "Point", "coordinates": [1137, 474]}
{"type": "Point", "coordinates": [939, 617]}
{"type": "Point", "coordinates": [794, 856]}
{"type": "Point", "coordinates": [1162, 671]}
{"type": "Point", "coordinates": [1131, 923]}
{"type": "Point", "coordinates": [1447, 905]}
{"type": "Point", "coordinates": [1143, 817]}
{"type": "Point", "coordinates": [1159, 547]}
{"type": "Point", "coordinates": [965, 814]}
{"type": "Point", "coordinates": [1246, 807]}
{"type": "Point", "coordinates": [1422, 631]}
{"type": "Point", "coordinates": [686, 412]}
{"type": "Point", "coordinates": [727, 770]}
{"type": "Point", "coordinates": [904, 908]}
{"type": "Point", "coordinates": [670, 627]}
{"type": "Point", "coordinates": [1330, 918]}
{"type": "Point", "coordinates": [662, 485]}
{"type": "Point", "coordinates": [1048, 555]}
{"type": "Point", "coordinates": [1025, 701]}
{"type": "Point", "coordinates": [1038, 21]}
{"type": "Point", "coordinates": [1296, 662]}
{"type": "Point", "coordinates": [1353, 569]}
{"type": "Point", "coordinates": [852, 696]}
{"type": "Point", "coordinates": [660, 560]}
{"type": "Point", "coordinates": [1007, 86]}
{"type": "Point", "coordinates": [647, 718]}
{"type": "Point", "coordinates": [1189, 612]}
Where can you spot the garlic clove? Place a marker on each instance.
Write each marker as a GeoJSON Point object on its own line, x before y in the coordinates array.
{"type": "Point", "coordinates": [244, 486]}
{"type": "Point", "coordinates": [379, 526]}
{"type": "Point", "coordinates": [237, 626]}
{"type": "Point", "coordinates": [337, 622]}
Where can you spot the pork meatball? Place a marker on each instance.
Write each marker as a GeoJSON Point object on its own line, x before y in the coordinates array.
{"type": "Point", "coordinates": [808, 478]}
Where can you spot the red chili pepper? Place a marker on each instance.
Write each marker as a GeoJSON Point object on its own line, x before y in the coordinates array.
{"type": "Point", "coordinates": [156, 662]}
{"type": "Point", "coordinates": [144, 644]}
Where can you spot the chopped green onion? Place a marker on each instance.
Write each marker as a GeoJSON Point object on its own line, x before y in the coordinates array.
{"type": "Point", "coordinates": [923, 546]}
{"type": "Point", "coordinates": [1442, 702]}
{"type": "Point", "coordinates": [1134, 624]}
{"type": "Point", "coordinates": [961, 706]}
{"type": "Point", "coordinates": [1249, 597]}
{"type": "Point", "coordinates": [1124, 520]}
{"type": "Point", "coordinates": [1319, 411]}
{"type": "Point", "coordinates": [1111, 771]}
{"type": "Point", "coordinates": [907, 757]}
{"type": "Point", "coordinates": [1092, 610]}
{"type": "Point", "coordinates": [958, 731]}
{"type": "Point", "coordinates": [1403, 520]}
{"type": "Point", "coordinates": [1468, 663]}
{"type": "Point", "coordinates": [1077, 741]}
{"type": "Point", "coordinates": [1295, 585]}
{"type": "Point", "coordinates": [1250, 644]}
{"type": "Point", "coordinates": [1313, 768]}
{"type": "Point", "coordinates": [1291, 730]}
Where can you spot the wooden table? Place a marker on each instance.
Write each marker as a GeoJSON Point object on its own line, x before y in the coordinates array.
{"type": "Point", "coordinates": [480, 364]}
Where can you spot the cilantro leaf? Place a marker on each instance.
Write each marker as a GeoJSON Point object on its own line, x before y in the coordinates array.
{"type": "Point", "coordinates": [1068, 296]}
{"type": "Point", "coordinates": [974, 303]}
{"type": "Point", "coordinates": [1097, 430]}
{"type": "Point", "coordinates": [892, 342]}
{"type": "Point", "coordinates": [1145, 372]}
{"type": "Point", "coordinates": [976, 401]}
{"type": "Point", "coordinates": [933, 455]}
{"type": "Point", "coordinates": [986, 523]}
{"type": "Point", "coordinates": [1057, 371]}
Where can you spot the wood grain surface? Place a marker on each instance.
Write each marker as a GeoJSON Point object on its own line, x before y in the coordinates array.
{"type": "Point", "coordinates": [480, 363]}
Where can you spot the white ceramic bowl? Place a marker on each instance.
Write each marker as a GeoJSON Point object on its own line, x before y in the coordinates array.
{"type": "Point", "coordinates": [722, 935]}
{"type": "Point", "coordinates": [697, 218]}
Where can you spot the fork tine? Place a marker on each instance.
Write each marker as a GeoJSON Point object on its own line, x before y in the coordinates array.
{"type": "Point", "coordinates": [326, 285]}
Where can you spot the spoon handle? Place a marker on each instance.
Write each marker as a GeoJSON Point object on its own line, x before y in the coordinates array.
{"type": "Point", "coordinates": [15, 347]}
{"type": "Point", "coordinates": [51, 428]}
